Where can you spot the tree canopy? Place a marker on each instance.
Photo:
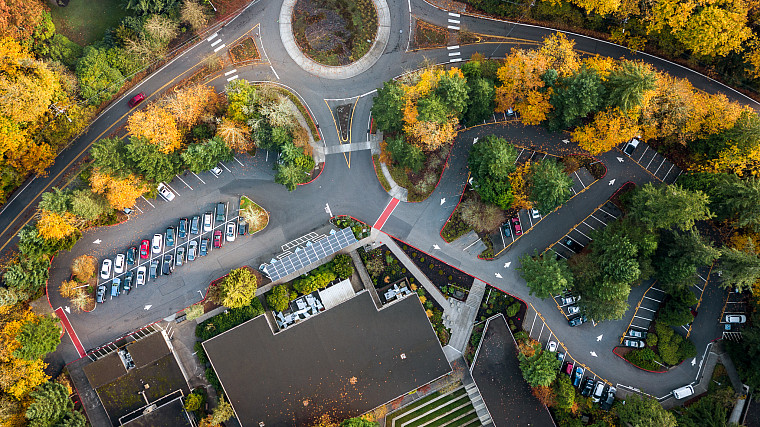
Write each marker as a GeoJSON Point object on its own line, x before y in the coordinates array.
{"type": "Point", "coordinates": [545, 275]}
{"type": "Point", "coordinates": [549, 185]}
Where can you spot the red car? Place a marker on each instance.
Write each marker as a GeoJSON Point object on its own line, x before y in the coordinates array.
{"type": "Point", "coordinates": [568, 369]}
{"type": "Point", "coordinates": [144, 249]}
{"type": "Point", "coordinates": [218, 238]}
{"type": "Point", "coordinates": [518, 227]}
{"type": "Point", "coordinates": [136, 100]}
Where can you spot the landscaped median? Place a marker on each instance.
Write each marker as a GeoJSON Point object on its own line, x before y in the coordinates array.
{"type": "Point", "coordinates": [256, 217]}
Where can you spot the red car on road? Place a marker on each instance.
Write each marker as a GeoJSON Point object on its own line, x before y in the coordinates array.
{"type": "Point", "coordinates": [144, 249]}
{"type": "Point", "coordinates": [218, 238]}
{"type": "Point", "coordinates": [518, 227]}
{"type": "Point", "coordinates": [140, 97]}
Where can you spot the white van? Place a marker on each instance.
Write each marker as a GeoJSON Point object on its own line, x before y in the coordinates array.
{"type": "Point", "coordinates": [683, 392]}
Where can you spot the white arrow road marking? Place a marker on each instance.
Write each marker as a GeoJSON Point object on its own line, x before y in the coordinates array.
{"type": "Point", "coordinates": [147, 307]}
{"type": "Point", "coordinates": [507, 264]}
{"type": "Point", "coordinates": [474, 140]}
{"type": "Point", "coordinates": [68, 310]}
{"type": "Point", "coordinates": [593, 354]}
{"type": "Point", "coordinates": [599, 338]}
{"type": "Point", "coordinates": [443, 200]}
{"type": "Point", "coordinates": [436, 247]}
{"type": "Point", "coordinates": [498, 275]}
{"type": "Point", "coordinates": [97, 242]}
{"type": "Point", "coordinates": [693, 361]}
{"type": "Point", "coordinates": [470, 180]}
{"type": "Point", "coordinates": [620, 159]}
{"type": "Point", "coordinates": [612, 182]}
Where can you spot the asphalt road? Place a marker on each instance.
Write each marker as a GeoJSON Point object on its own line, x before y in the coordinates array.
{"type": "Point", "coordinates": [350, 187]}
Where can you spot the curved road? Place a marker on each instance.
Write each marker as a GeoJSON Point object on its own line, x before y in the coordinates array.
{"type": "Point", "coordinates": [350, 187]}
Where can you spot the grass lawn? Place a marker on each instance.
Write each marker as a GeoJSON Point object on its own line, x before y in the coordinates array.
{"type": "Point", "coordinates": [86, 21]}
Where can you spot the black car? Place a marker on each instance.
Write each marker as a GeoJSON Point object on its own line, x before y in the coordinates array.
{"type": "Point", "coordinates": [221, 212]}
{"type": "Point", "coordinates": [131, 255]}
{"type": "Point", "coordinates": [204, 247]}
{"type": "Point", "coordinates": [242, 227]}
{"type": "Point", "coordinates": [507, 229]}
{"type": "Point", "coordinates": [170, 237]}
{"type": "Point", "coordinates": [154, 271]}
{"type": "Point", "coordinates": [195, 224]}
{"type": "Point", "coordinates": [129, 279]}
{"type": "Point", "coordinates": [609, 399]}
{"type": "Point", "coordinates": [168, 267]}
{"type": "Point", "coordinates": [573, 245]}
{"type": "Point", "coordinates": [182, 229]}
{"type": "Point", "coordinates": [101, 294]}
{"type": "Point", "coordinates": [575, 321]}
{"type": "Point", "coordinates": [588, 386]}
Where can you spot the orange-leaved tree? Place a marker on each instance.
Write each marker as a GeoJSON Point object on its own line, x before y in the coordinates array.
{"type": "Point", "coordinates": [119, 192]}
{"type": "Point", "coordinates": [609, 129]}
{"type": "Point", "coordinates": [54, 225]}
{"type": "Point", "coordinates": [158, 125]}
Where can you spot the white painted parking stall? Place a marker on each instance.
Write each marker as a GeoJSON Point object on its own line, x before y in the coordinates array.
{"type": "Point", "coordinates": [581, 235]}
{"type": "Point", "coordinates": [656, 164]}
{"type": "Point", "coordinates": [645, 311]}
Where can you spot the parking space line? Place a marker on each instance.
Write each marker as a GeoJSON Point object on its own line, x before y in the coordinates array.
{"type": "Point", "coordinates": [199, 178]}
{"type": "Point", "coordinates": [700, 289]}
{"type": "Point", "coordinates": [170, 188]}
{"type": "Point", "coordinates": [579, 179]}
{"type": "Point", "coordinates": [138, 208]}
{"type": "Point", "coordinates": [589, 226]}
{"type": "Point", "coordinates": [563, 257]}
{"type": "Point", "coordinates": [183, 181]}
{"type": "Point", "coordinates": [655, 300]}
{"type": "Point", "coordinates": [545, 154]}
{"type": "Point", "coordinates": [584, 235]}
{"type": "Point", "coordinates": [639, 317]}
{"type": "Point", "coordinates": [151, 204]}
{"type": "Point", "coordinates": [650, 161]}
{"type": "Point", "coordinates": [649, 309]}
{"type": "Point", "coordinates": [534, 322]}
{"type": "Point", "coordinates": [668, 173]}
{"type": "Point", "coordinates": [518, 156]}
{"type": "Point", "coordinates": [646, 147]}
{"type": "Point", "coordinates": [574, 192]}
{"type": "Point", "coordinates": [658, 289]}
{"type": "Point", "coordinates": [567, 247]}
{"type": "Point", "coordinates": [530, 219]}
{"type": "Point", "coordinates": [225, 167]}
{"type": "Point", "coordinates": [703, 279]}
{"type": "Point", "coordinates": [239, 162]}
{"type": "Point", "coordinates": [607, 213]}
{"type": "Point", "coordinates": [658, 167]}
{"type": "Point", "coordinates": [542, 332]}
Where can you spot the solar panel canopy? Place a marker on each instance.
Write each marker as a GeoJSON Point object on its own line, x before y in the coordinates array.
{"type": "Point", "coordinates": [303, 257]}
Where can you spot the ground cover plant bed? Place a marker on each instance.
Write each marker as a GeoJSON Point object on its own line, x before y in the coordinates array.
{"type": "Point", "coordinates": [620, 195]}
{"type": "Point", "coordinates": [244, 50]}
{"type": "Point", "coordinates": [383, 266]}
{"type": "Point", "coordinates": [360, 229]}
{"type": "Point", "coordinates": [441, 274]}
{"type": "Point", "coordinates": [665, 348]}
{"type": "Point", "coordinates": [594, 167]}
{"type": "Point", "coordinates": [427, 35]}
{"type": "Point", "coordinates": [434, 312]}
{"type": "Point", "coordinates": [472, 345]}
{"type": "Point", "coordinates": [343, 113]}
{"type": "Point", "coordinates": [302, 109]}
{"type": "Point", "coordinates": [421, 184]}
{"type": "Point", "coordinates": [497, 302]}
{"type": "Point", "coordinates": [379, 172]}
{"type": "Point", "coordinates": [334, 32]}
{"type": "Point", "coordinates": [254, 215]}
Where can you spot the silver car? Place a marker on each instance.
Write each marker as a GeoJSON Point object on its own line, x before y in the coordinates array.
{"type": "Point", "coordinates": [192, 249]}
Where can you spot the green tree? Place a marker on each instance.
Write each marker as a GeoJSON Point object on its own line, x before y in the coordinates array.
{"type": "Point", "coordinates": [56, 200]}
{"type": "Point", "coordinates": [148, 7]}
{"type": "Point", "coordinates": [679, 254]}
{"type": "Point", "coordinates": [27, 276]}
{"type": "Point", "coordinates": [38, 337]}
{"type": "Point", "coordinates": [49, 405]}
{"type": "Point", "coordinates": [72, 419]}
{"type": "Point", "coordinates": [497, 192]}
{"type": "Point", "coordinates": [544, 275]}
{"type": "Point", "coordinates": [278, 298]}
{"type": "Point", "coordinates": [202, 157]}
{"type": "Point", "coordinates": [746, 353]}
{"type": "Point", "coordinates": [110, 155]}
{"type": "Point", "coordinates": [575, 97]}
{"type": "Point", "coordinates": [677, 310]}
{"type": "Point", "coordinates": [432, 108]}
{"type": "Point", "coordinates": [238, 288]}
{"type": "Point", "coordinates": [222, 413]}
{"type": "Point", "coordinates": [452, 89]}
{"type": "Point", "coordinates": [740, 201]}
{"type": "Point", "coordinates": [480, 93]}
{"type": "Point", "coordinates": [153, 164]}
{"type": "Point", "coordinates": [706, 412]}
{"type": "Point", "coordinates": [87, 205]}
{"type": "Point", "coordinates": [740, 269]}
{"type": "Point", "coordinates": [627, 84]}
{"type": "Point", "coordinates": [406, 155]}
{"type": "Point", "coordinates": [388, 107]}
{"type": "Point", "coordinates": [549, 185]}
{"type": "Point", "coordinates": [193, 402]}
{"type": "Point", "coordinates": [492, 157]}
{"type": "Point", "coordinates": [98, 80]}
{"type": "Point", "coordinates": [342, 266]}
{"type": "Point", "coordinates": [290, 175]}
{"type": "Point", "coordinates": [641, 411]}
{"type": "Point", "coordinates": [666, 206]}
{"type": "Point", "coordinates": [358, 422]}
{"type": "Point", "coordinates": [8, 297]}
{"type": "Point", "coordinates": [564, 392]}
{"type": "Point", "coordinates": [540, 369]}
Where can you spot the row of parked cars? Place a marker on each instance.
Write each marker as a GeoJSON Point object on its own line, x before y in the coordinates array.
{"type": "Point", "coordinates": [514, 225]}
{"type": "Point", "coordinates": [597, 390]}
{"type": "Point", "coordinates": [159, 243]}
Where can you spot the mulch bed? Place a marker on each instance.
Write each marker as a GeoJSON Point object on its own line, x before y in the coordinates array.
{"type": "Point", "coordinates": [427, 35]}
{"type": "Point", "coordinates": [343, 113]}
{"type": "Point", "coordinates": [625, 189]}
{"type": "Point", "coordinates": [440, 273]}
{"type": "Point", "coordinates": [245, 50]}
{"type": "Point", "coordinates": [497, 301]}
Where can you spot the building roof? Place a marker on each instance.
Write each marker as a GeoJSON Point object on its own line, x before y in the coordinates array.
{"type": "Point", "coordinates": [169, 414]}
{"type": "Point", "coordinates": [105, 370]}
{"type": "Point", "coordinates": [344, 362]}
{"type": "Point", "coordinates": [148, 349]}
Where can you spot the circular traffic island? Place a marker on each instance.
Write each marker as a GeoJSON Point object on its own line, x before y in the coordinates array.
{"type": "Point", "coordinates": [334, 32]}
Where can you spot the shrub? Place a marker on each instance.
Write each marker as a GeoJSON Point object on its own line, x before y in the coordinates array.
{"type": "Point", "coordinates": [213, 379]}
{"type": "Point", "coordinates": [225, 321]}
{"type": "Point", "coordinates": [431, 266]}
{"type": "Point", "coordinates": [512, 326]}
{"type": "Point", "coordinates": [200, 352]}
{"type": "Point", "coordinates": [513, 309]}
{"type": "Point", "coordinates": [652, 340]}
{"type": "Point", "coordinates": [644, 358]}
{"type": "Point", "coordinates": [342, 266]}
{"type": "Point", "coordinates": [278, 298]}
{"type": "Point", "coordinates": [422, 259]}
{"type": "Point", "coordinates": [194, 311]}
{"type": "Point", "coordinates": [193, 402]}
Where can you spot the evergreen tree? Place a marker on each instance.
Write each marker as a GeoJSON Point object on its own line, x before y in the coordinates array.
{"type": "Point", "coordinates": [49, 405]}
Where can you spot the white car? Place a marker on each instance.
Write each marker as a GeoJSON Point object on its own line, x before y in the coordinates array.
{"type": "Point", "coordinates": [105, 269]}
{"type": "Point", "coordinates": [631, 146]}
{"type": "Point", "coordinates": [573, 309]}
{"type": "Point", "coordinates": [551, 346]}
{"type": "Point", "coordinates": [216, 171]}
{"type": "Point", "coordinates": [140, 276]}
{"type": "Point", "coordinates": [596, 396]}
{"type": "Point", "coordinates": [118, 264]}
{"type": "Point", "coordinates": [158, 241]}
{"type": "Point", "coordinates": [569, 300]}
{"type": "Point", "coordinates": [230, 232]}
{"type": "Point", "coordinates": [207, 225]}
{"type": "Point", "coordinates": [164, 191]}
{"type": "Point", "coordinates": [535, 214]}
{"type": "Point", "coordinates": [736, 318]}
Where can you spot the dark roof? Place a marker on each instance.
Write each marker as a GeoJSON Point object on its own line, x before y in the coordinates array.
{"type": "Point", "coordinates": [171, 414]}
{"type": "Point", "coordinates": [148, 349]}
{"type": "Point", "coordinates": [105, 370]}
{"type": "Point", "coordinates": [344, 361]}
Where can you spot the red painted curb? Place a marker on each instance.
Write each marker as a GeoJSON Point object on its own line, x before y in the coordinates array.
{"type": "Point", "coordinates": [324, 165]}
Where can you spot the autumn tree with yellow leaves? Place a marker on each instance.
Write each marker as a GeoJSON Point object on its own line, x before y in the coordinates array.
{"type": "Point", "coordinates": [55, 226]}
{"type": "Point", "coordinates": [120, 192]}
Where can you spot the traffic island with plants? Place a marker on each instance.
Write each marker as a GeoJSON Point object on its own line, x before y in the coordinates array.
{"type": "Point", "coordinates": [80, 289]}
{"type": "Point", "coordinates": [244, 51]}
{"type": "Point", "coordinates": [334, 32]}
{"type": "Point", "coordinates": [418, 176]}
{"type": "Point", "coordinates": [434, 312]}
{"type": "Point", "coordinates": [427, 35]}
{"type": "Point", "coordinates": [360, 229]}
{"type": "Point", "coordinates": [665, 348]}
{"type": "Point", "coordinates": [254, 215]}
{"type": "Point", "coordinates": [497, 302]}
{"type": "Point", "coordinates": [452, 283]}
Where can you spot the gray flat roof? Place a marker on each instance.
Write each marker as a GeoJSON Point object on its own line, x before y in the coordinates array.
{"type": "Point", "coordinates": [344, 361]}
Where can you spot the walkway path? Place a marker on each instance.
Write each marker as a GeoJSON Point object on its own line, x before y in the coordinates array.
{"type": "Point", "coordinates": [462, 328]}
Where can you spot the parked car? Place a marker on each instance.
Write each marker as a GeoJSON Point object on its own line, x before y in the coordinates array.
{"type": "Point", "coordinates": [129, 278]}
{"type": "Point", "coordinates": [575, 321]}
{"type": "Point", "coordinates": [609, 399]}
{"type": "Point", "coordinates": [217, 238]}
{"type": "Point", "coordinates": [683, 392]}
{"type": "Point", "coordinates": [168, 267]}
{"type": "Point", "coordinates": [573, 309]}
{"type": "Point", "coordinates": [569, 300]}
{"type": "Point", "coordinates": [561, 357]}
{"type": "Point", "coordinates": [131, 255]}
{"type": "Point", "coordinates": [105, 269]}
{"type": "Point", "coordinates": [535, 214]}
{"type": "Point", "coordinates": [192, 249]}
{"type": "Point", "coordinates": [115, 287]}
{"type": "Point", "coordinates": [551, 346]}
{"type": "Point", "coordinates": [207, 224]}
{"type": "Point", "coordinates": [170, 237]}
{"type": "Point", "coordinates": [579, 371]}
{"type": "Point", "coordinates": [598, 392]}
{"type": "Point", "coordinates": [518, 227]}
{"type": "Point", "coordinates": [118, 264]}
{"type": "Point", "coordinates": [230, 232]}
{"type": "Point", "coordinates": [573, 245]}
{"type": "Point", "coordinates": [154, 271]}
{"type": "Point", "coordinates": [633, 343]}
{"type": "Point", "coordinates": [507, 229]}
{"type": "Point", "coordinates": [180, 256]}
{"type": "Point", "coordinates": [195, 224]}
{"type": "Point", "coordinates": [101, 294]}
{"type": "Point", "coordinates": [242, 227]}
{"type": "Point", "coordinates": [182, 229]}
{"type": "Point", "coordinates": [136, 100]}
{"type": "Point", "coordinates": [216, 171]}
{"type": "Point", "coordinates": [587, 387]}
{"type": "Point", "coordinates": [637, 334]}
{"type": "Point", "coordinates": [203, 250]}
{"type": "Point", "coordinates": [158, 241]}
{"type": "Point", "coordinates": [221, 212]}
{"type": "Point", "coordinates": [631, 146]}
{"type": "Point", "coordinates": [144, 249]}
{"type": "Point", "coordinates": [140, 276]}
{"type": "Point", "coordinates": [736, 318]}
{"type": "Point", "coordinates": [164, 191]}
{"type": "Point", "coordinates": [568, 369]}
